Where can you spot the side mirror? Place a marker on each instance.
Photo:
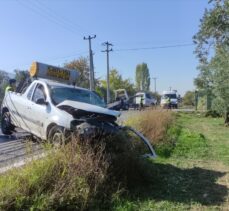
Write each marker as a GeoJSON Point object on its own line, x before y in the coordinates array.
{"type": "Point", "coordinates": [41, 101]}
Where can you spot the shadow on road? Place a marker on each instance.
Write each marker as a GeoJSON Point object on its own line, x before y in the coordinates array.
{"type": "Point", "coordinates": [7, 138]}
{"type": "Point", "coordinates": [174, 184]}
{"type": "Point", "coordinates": [18, 135]}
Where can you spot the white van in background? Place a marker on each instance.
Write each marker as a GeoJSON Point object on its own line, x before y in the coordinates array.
{"type": "Point", "coordinates": [170, 96]}
{"type": "Point", "coordinates": [148, 100]}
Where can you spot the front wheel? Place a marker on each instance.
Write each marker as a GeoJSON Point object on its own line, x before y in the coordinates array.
{"type": "Point", "coordinates": [6, 125]}
{"type": "Point", "coordinates": [126, 108]}
{"type": "Point", "coordinates": [56, 136]}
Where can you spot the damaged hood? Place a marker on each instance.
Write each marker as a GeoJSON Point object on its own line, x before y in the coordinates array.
{"type": "Point", "coordinates": [89, 108]}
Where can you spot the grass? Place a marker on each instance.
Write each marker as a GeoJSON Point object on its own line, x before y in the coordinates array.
{"type": "Point", "coordinates": [214, 131]}
{"type": "Point", "coordinates": [67, 178]}
{"type": "Point", "coordinates": [190, 173]}
{"type": "Point", "coordinates": [83, 175]}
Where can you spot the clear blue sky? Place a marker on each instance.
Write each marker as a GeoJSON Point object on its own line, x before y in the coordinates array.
{"type": "Point", "coordinates": [52, 31]}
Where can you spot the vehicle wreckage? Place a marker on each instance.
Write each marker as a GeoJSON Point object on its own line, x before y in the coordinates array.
{"type": "Point", "coordinates": [49, 105]}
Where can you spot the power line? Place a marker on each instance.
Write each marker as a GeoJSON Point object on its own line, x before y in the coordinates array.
{"type": "Point", "coordinates": [61, 17]}
{"type": "Point", "coordinates": [58, 15]}
{"type": "Point", "coordinates": [154, 47]}
{"type": "Point", "coordinates": [42, 9]}
{"type": "Point", "coordinates": [47, 17]}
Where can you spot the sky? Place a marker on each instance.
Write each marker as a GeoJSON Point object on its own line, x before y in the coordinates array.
{"type": "Point", "coordinates": [52, 31]}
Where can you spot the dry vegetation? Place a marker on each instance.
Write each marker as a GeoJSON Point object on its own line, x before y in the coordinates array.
{"type": "Point", "coordinates": [81, 175]}
{"type": "Point", "coordinates": [153, 124]}
{"type": "Point", "coordinates": [160, 127]}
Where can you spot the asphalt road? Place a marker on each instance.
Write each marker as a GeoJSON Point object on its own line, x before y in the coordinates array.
{"type": "Point", "coordinates": [16, 148]}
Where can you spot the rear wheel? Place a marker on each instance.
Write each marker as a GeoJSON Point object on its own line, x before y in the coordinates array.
{"type": "Point", "coordinates": [6, 125]}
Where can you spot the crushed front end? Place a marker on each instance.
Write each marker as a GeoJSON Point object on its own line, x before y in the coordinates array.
{"type": "Point", "coordinates": [93, 125]}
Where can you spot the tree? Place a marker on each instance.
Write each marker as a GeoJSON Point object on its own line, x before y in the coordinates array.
{"type": "Point", "coordinates": [142, 77]}
{"type": "Point", "coordinates": [220, 64]}
{"type": "Point", "coordinates": [23, 79]}
{"type": "Point", "coordinates": [82, 66]}
{"type": "Point", "coordinates": [21, 74]}
{"type": "Point", "coordinates": [213, 30]}
{"type": "Point", "coordinates": [189, 98]}
{"type": "Point", "coordinates": [212, 49]}
{"type": "Point", "coordinates": [117, 82]}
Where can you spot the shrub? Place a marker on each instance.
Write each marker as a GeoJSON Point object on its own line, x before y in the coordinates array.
{"type": "Point", "coordinates": [166, 147]}
{"type": "Point", "coordinates": [153, 124]}
{"type": "Point", "coordinates": [159, 127]}
{"type": "Point", "coordinates": [69, 176]}
{"type": "Point", "coordinates": [213, 113]}
{"type": "Point", "coordinates": [79, 176]}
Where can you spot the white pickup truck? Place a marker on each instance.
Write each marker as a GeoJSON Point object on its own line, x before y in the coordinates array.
{"type": "Point", "coordinates": [51, 110]}
{"type": "Point", "coordinates": [47, 108]}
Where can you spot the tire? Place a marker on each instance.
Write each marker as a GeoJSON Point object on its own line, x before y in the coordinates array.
{"type": "Point", "coordinates": [126, 108]}
{"type": "Point", "coordinates": [6, 125]}
{"type": "Point", "coordinates": [56, 136]}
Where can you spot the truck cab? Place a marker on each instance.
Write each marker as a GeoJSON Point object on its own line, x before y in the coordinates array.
{"type": "Point", "coordinates": [121, 94]}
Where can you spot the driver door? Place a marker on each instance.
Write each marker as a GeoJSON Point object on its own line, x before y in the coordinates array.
{"type": "Point", "coordinates": [37, 113]}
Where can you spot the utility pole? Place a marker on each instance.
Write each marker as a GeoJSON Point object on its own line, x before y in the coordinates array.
{"type": "Point", "coordinates": [170, 88]}
{"type": "Point", "coordinates": [91, 72]}
{"type": "Point", "coordinates": [155, 84]}
{"type": "Point", "coordinates": [108, 49]}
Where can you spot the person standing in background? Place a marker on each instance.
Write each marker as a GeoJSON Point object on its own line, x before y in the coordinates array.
{"type": "Point", "coordinates": [141, 103]}
{"type": "Point", "coordinates": [11, 86]}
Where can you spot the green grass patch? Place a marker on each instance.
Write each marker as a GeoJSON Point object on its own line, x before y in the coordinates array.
{"type": "Point", "coordinates": [190, 145]}
{"type": "Point", "coordinates": [169, 137]}
{"type": "Point", "coordinates": [182, 175]}
{"type": "Point", "coordinates": [165, 147]}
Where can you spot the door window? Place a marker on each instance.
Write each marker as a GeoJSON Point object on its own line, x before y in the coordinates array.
{"type": "Point", "coordinates": [30, 92]}
{"type": "Point", "coordinates": [39, 93]}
